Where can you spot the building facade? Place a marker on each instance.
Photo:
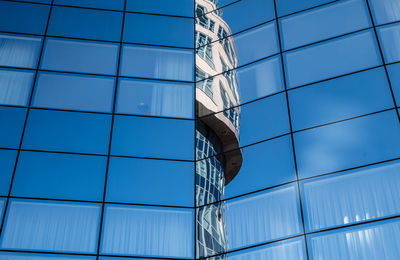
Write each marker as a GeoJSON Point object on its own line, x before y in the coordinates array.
{"type": "Point", "coordinates": [169, 129]}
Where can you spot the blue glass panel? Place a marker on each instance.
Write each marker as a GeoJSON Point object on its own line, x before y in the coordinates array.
{"type": "Point", "coordinates": [85, 23]}
{"type": "Point", "coordinates": [23, 17]}
{"type": "Point", "coordinates": [155, 98]}
{"type": "Point", "coordinates": [76, 92]}
{"type": "Point", "coordinates": [11, 129]}
{"type": "Point", "coordinates": [102, 4]}
{"type": "Point", "coordinates": [292, 249]}
{"type": "Point", "coordinates": [51, 226]}
{"type": "Point", "coordinates": [67, 132]}
{"type": "Point", "coordinates": [27, 256]}
{"type": "Point", "coordinates": [324, 22]}
{"type": "Point", "coordinates": [260, 79]}
{"type": "Point", "coordinates": [340, 98]}
{"type": "Point", "coordinates": [148, 231]}
{"type": "Point", "coordinates": [390, 38]}
{"type": "Point", "coordinates": [37, 1]}
{"type": "Point", "coordinates": [153, 137]}
{"type": "Point", "coordinates": [264, 165]}
{"type": "Point", "coordinates": [2, 203]}
{"type": "Point", "coordinates": [171, 7]}
{"type": "Point", "coordinates": [348, 144]}
{"type": "Point", "coordinates": [80, 56]}
{"type": "Point", "coordinates": [385, 11]}
{"type": "Point", "coordinates": [351, 197]}
{"type": "Point", "coordinates": [257, 118]}
{"type": "Point", "coordinates": [394, 75]}
{"type": "Point", "coordinates": [372, 241]}
{"type": "Point", "coordinates": [7, 163]}
{"type": "Point", "coordinates": [157, 62]}
{"type": "Point", "coordinates": [60, 176]}
{"type": "Point", "coordinates": [146, 181]}
{"type": "Point", "coordinates": [332, 58]}
{"type": "Point", "coordinates": [19, 51]}
{"type": "Point", "coordinates": [15, 86]}
{"type": "Point", "coordinates": [256, 43]}
{"type": "Point", "coordinates": [159, 30]}
{"type": "Point", "coordinates": [262, 217]}
{"type": "Point", "coordinates": [124, 258]}
{"type": "Point", "coordinates": [285, 7]}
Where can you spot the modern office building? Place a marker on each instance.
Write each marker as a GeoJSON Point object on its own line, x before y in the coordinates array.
{"type": "Point", "coordinates": [169, 129]}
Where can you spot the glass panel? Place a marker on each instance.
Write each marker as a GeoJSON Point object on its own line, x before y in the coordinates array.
{"type": "Point", "coordinates": [329, 59]}
{"type": "Point", "coordinates": [85, 23]}
{"type": "Point", "coordinates": [67, 132]}
{"type": "Point", "coordinates": [37, 1]}
{"type": "Point", "coordinates": [26, 256]}
{"type": "Point", "coordinates": [11, 130]}
{"type": "Point", "coordinates": [51, 226]}
{"type": "Point", "coordinates": [146, 181]}
{"type": "Point", "coordinates": [80, 56]}
{"type": "Point", "coordinates": [76, 92]}
{"type": "Point", "coordinates": [394, 74]}
{"type": "Point", "coordinates": [285, 7]}
{"type": "Point", "coordinates": [157, 62]}
{"type": "Point", "coordinates": [257, 43]}
{"type": "Point", "coordinates": [153, 137]}
{"type": "Point", "coordinates": [348, 144]}
{"type": "Point", "coordinates": [148, 231]}
{"type": "Point", "coordinates": [164, 30]}
{"type": "Point", "coordinates": [7, 163]}
{"type": "Point", "coordinates": [60, 176]}
{"type": "Point", "coordinates": [325, 22]}
{"type": "Point", "coordinates": [15, 86]}
{"type": "Point", "coordinates": [352, 197]}
{"type": "Point", "coordinates": [19, 51]}
{"type": "Point", "coordinates": [2, 203]}
{"type": "Point", "coordinates": [385, 11]}
{"type": "Point", "coordinates": [372, 241]}
{"type": "Point", "coordinates": [264, 165]}
{"type": "Point", "coordinates": [292, 249]}
{"type": "Point", "coordinates": [390, 38]}
{"type": "Point", "coordinates": [155, 98]}
{"type": "Point", "coordinates": [102, 4]}
{"type": "Point", "coordinates": [171, 7]}
{"type": "Point", "coordinates": [340, 98]}
{"type": "Point", "coordinates": [23, 17]}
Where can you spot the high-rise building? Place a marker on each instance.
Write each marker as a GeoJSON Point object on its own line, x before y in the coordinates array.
{"type": "Point", "coordinates": [182, 129]}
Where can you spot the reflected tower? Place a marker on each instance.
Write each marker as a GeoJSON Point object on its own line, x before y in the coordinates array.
{"type": "Point", "coordinates": [217, 130]}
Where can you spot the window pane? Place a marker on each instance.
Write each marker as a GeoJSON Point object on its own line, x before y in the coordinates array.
{"type": "Point", "coordinates": [155, 98]}
{"type": "Point", "coordinates": [11, 130]}
{"type": "Point", "coordinates": [26, 256]}
{"type": "Point", "coordinates": [340, 98]}
{"type": "Point", "coordinates": [153, 137]}
{"type": "Point", "coordinates": [80, 56]}
{"type": "Point", "coordinates": [285, 7]}
{"type": "Point", "coordinates": [7, 163]}
{"type": "Point", "coordinates": [324, 22]}
{"type": "Point", "coordinates": [148, 231]}
{"type": "Point", "coordinates": [390, 38]}
{"type": "Point", "coordinates": [348, 144]}
{"type": "Point", "coordinates": [60, 176]}
{"type": "Point", "coordinates": [102, 4]}
{"type": "Point", "coordinates": [19, 51]}
{"type": "Point", "coordinates": [171, 7]}
{"type": "Point", "coordinates": [157, 62]}
{"type": "Point", "coordinates": [394, 74]}
{"type": "Point", "coordinates": [76, 92]}
{"type": "Point", "coordinates": [165, 30]}
{"type": "Point", "coordinates": [329, 59]}
{"type": "Point", "coordinates": [371, 241]}
{"type": "Point", "coordinates": [147, 181]}
{"type": "Point", "coordinates": [385, 11]}
{"type": "Point", "coordinates": [51, 226]}
{"type": "Point", "coordinates": [2, 204]}
{"type": "Point", "coordinates": [85, 23]}
{"type": "Point", "coordinates": [67, 132]}
{"type": "Point", "coordinates": [15, 86]}
{"type": "Point", "coordinates": [352, 197]}
{"type": "Point", "coordinates": [23, 18]}
{"type": "Point", "coordinates": [264, 165]}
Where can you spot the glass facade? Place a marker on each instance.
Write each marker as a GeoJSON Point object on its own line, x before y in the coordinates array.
{"type": "Point", "coordinates": [199, 129]}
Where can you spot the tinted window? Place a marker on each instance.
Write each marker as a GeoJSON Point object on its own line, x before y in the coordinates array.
{"type": "Point", "coordinates": [19, 51]}
{"type": "Point", "coordinates": [390, 38]}
{"type": "Point", "coordinates": [15, 87]}
{"type": "Point", "coordinates": [13, 122]}
{"type": "Point", "coordinates": [103, 4]}
{"type": "Point", "coordinates": [7, 163]}
{"type": "Point", "coordinates": [172, 7]}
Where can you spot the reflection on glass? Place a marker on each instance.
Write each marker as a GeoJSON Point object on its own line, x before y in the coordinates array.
{"type": "Point", "coordinates": [30, 256]}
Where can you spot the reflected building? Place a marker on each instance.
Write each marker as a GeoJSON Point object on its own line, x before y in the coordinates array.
{"type": "Point", "coordinates": [216, 133]}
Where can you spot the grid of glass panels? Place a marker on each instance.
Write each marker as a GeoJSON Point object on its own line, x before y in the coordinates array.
{"type": "Point", "coordinates": [97, 145]}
